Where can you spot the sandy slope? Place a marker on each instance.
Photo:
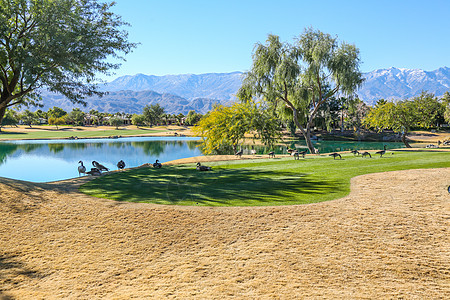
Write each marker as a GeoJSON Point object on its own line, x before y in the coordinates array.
{"type": "Point", "coordinates": [388, 239]}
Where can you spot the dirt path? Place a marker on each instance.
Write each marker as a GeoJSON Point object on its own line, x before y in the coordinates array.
{"type": "Point", "coordinates": [388, 239]}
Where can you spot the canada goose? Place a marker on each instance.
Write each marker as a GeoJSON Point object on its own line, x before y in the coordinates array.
{"type": "Point", "coordinates": [203, 168]}
{"type": "Point", "coordinates": [291, 151]}
{"type": "Point", "coordinates": [335, 155]}
{"type": "Point", "coordinates": [157, 164]}
{"type": "Point", "coordinates": [99, 166]}
{"type": "Point", "coordinates": [121, 164]}
{"type": "Point", "coordinates": [81, 168]}
{"type": "Point", "coordinates": [381, 152]}
{"type": "Point", "coordinates": [94, 172]}
{"type": "Point", "coordinates": [239, 153]}
{"type": "Point", "coordinates": [271, 154]}
{"type": "Point", "coordinates": [364, 154]}
{"type": "Point", "coordinates": [355, 152]}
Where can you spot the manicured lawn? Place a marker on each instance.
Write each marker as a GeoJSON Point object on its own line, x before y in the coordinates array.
{"type": "Point", "coordinates": [65, 132]}
{"type": "Point", "coordinates": [280, 181]}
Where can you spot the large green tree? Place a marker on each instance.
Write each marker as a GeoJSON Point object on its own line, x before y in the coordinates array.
{"type": "Point", "coordinates": [223, 128]}
{"type": "Point", "coordinates": [60, 45]}
{"type": "Point", "coordinates": [153, 114]}
{"type": "Point", "coordinates": [300, 77]}
{"type": "Point", "coordinates": [401, 116]}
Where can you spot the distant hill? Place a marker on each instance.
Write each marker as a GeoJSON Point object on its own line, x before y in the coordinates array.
{"type": "Point", "coordinates": [132, 102]}
{"type": "Point", "coordinates": [403, 83]}
{"type": "Point", "coordinates": [181, 93]}
{"type": "Point", "coordinates": [221, 86]}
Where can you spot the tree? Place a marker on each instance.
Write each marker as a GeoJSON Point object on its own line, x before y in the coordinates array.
{"type": "Point", "coordinates": [56, 44]}
{"type": "Point", "coordinates": [76, 117]}
{"type": "Point", "coordinates": [137, 120]}
{"type": "Point", "coordinates": [192, 117]}
{"type": "Point", "coordinates": [403, 115]}
{"type": "Point", "coordinates": [11, 118]}
{"type": "Point", "coordinates": [115, 121]}
{"type": "Point", "coordinates": [56, 112]}
{"type": "Point", "coordinates": [153, 114]}
{"type": "Point", "coordinates": [223, 128]}
{"type": "Point", "coordinates": [301, 77]}
{"type": "Point", "coordinates": [28, 118]}
{"type": "Point", "coordinates": [446, 103]}
{"type": "Point", "coordinates": [57, 121]}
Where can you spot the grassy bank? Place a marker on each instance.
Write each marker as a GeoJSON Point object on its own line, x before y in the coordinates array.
{"type": "Point", "coordinates": [281, 181]}
{"type": "Point", "coordinates": [50, 132]}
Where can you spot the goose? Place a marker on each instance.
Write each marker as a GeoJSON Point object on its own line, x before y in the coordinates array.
{"type": "Point", "coordinates": [271, 154]}
{"type": "Point", "coordinates": [381, 152]}
{"type": "Point", "coordinates": [364, 154]}
{"type": "Point", "coordinates": [99, 166]}
{"type": "Point", "coordinates": [81, 168]}
{"type": "Point", "coordinates": [239, 153]}
{"type": "Point", "coordinates": [355, 152]}
{"type": "Point", "coordinates": [203, 168]}
{"type": "Point", "coordinates": [157, 164]}
{"type": "Point", "coordinates": [291, 151]}
{"type": "Point", "coordinates": [121, 164]}
{"type": "Point", "coordinates": [94, 172]}
{"type": "Point", "coordinates": [335, 155]}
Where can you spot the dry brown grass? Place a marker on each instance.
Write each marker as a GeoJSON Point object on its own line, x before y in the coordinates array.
{"type": "Point", "coordinates": [388, 239]}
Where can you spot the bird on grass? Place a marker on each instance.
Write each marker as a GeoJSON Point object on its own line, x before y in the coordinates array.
{"type": "Point", "coordinates": [271, 154]}
{"type": "Point", "coordinates": [81, 168]}
{"type": "Point", "coordinates": [355, 152]}
{"type": "Point", "coordinates": [94, 172]}
{"type": "Point", "coordinates": [335, 155]}
{"type": "Point", "coordinates": [157, 164]}
{"type": "Point", "coordinates": [364, 154]}
{"type": "Point", "coordinates": [99, 166]}
{"type": "Point", "coordinates": [121, 165]}
{"type": "Point", "coordinates": [203, 168]}
{"type": "Point", "coordinates": [239, 153]}
{"type": "Point", "coordinates": [381, 152]}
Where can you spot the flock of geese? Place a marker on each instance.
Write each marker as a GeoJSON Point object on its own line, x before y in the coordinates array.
{"type": "Point", "coordinates": [99, 168]}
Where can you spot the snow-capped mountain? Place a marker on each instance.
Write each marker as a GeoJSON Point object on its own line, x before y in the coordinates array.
{"type": "Point", "coordinates": [395, 83]}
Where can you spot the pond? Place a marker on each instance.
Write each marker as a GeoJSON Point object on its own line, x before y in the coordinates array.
{"type": "Point", "coordinates": [51, 160]}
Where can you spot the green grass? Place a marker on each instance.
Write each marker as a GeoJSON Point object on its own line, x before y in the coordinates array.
{"type": "Point", "coordinates": [254, 183]}
{"type": "Point", "coordinates": [65, 132]}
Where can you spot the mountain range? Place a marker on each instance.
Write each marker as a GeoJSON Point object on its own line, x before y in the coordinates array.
{"type": "Point", "coordinates": [181, 93]}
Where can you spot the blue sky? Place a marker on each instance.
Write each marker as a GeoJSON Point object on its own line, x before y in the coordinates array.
{"type": "Point", "coordinates": [180, 37]}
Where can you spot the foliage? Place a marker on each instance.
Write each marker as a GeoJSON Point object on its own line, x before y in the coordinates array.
{"type": "Point", "coordinates": [153, 114]}
{"type": "Point", "coordinates": [29, 118]}
{"type": "Point", "coordinates": [300, 78]}
{"type": "Point", "coordinates": [192, 117]}
{"type": "Point", "coordinates": [76, 117]}
{"type": "Point", "coordinates": [56, 112]}
{"type": "Point", "coordinates": [223, 128]}
{"type": "Point", "coordinates": [401, 116]}
{"type": "Point", "coordinates": [57, 44]}
{"type": "Point", "coordinates": [356, 112]}
{"type": "Point", "coordinates": [282, 181]}
{"type": "Point", "coordinates": [11, 118]}
{"type": "Point", "coordinates": [115, 121]}
{"type": "Point", "coordinates": [446, 104]}
{"type": "Point", "coordinates": [57, 121]}
{"type": "Point", "coordinates": [137, 120]}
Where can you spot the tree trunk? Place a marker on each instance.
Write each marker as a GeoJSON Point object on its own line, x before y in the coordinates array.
{"type": "Point", "coordinates": [306, 134]}
{"type": "Point", "coordinates": [2, 113]}
{"type": "Point", "coordinates": [405, 141]}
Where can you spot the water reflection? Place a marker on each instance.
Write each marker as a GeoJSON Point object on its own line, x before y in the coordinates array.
{"type": "Point", "coordinates": [41, 161]}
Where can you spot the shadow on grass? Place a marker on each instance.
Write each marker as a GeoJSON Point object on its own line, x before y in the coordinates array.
{"type": "Point", "coordinates": [220, 187]}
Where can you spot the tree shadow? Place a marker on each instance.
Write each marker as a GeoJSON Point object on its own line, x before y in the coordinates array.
{"type": "Point", "coordinates": [26, 195]}
{"type": "Point", "coordinates": [222, 186]}
{"type": "Point", "coordinates": [12, 272]}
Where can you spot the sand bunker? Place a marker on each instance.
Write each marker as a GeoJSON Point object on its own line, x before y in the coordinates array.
{"type": "Point", "coordinates": [388, 239]}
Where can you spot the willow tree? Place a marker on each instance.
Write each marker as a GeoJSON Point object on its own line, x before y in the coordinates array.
{"type": "Point", "coordinates": [60, 45]}
{"type": "Point", "coordinates": [298, 78]}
